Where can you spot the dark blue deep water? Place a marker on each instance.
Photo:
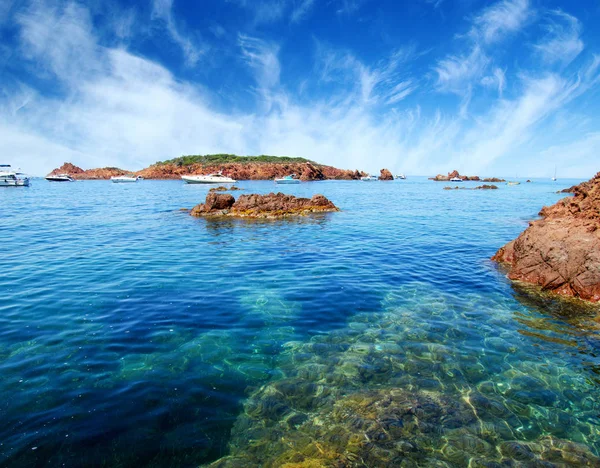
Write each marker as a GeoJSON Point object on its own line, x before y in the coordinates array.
{"type": "Point", "coordinates": [132, 334]}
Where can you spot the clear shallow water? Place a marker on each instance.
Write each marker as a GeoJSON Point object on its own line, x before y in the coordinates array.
{"type": "Point", "coordinates": [132, 334]}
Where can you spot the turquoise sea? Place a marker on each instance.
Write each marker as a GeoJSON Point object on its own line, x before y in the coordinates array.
{"type": "Point", "coordinates": [132, 334]}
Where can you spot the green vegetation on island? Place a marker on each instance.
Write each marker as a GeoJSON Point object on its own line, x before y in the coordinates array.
{"type": "Point", "coordinates": [231, 158]}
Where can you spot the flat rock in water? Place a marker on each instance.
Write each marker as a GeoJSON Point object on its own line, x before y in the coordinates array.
{"type": "Point", "coordinates": [273, 205]}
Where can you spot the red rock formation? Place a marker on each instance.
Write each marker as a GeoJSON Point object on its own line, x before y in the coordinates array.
{"type": "Point", "coordinates": [312, 173]}
{"type": "Point", "coordinates": [261, 206]}
{"type": "Point", "coordinates": [251, 171]}
{"type": "Point", "coordinates": [385, 175]}
{"type": "Point", "coordinates": [238, 171]}
{"type": "Point", "coordinates": [452, 175]}
{"type": "Point", "coordinates": [90, 174]}
{"type": "Point", "coordinates": [561, 251]}
{"type": "Point", "coordinates": [67, 168]}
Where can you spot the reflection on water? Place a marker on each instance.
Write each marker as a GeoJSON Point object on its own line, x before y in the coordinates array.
{"type": "Point", "coordinates": [132, 334]}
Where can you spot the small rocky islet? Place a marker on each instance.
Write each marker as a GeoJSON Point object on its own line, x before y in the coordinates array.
{"type": "Point", "coordinates": [561, 252]}
{"type": "Point", "coordinates": [272, 205]}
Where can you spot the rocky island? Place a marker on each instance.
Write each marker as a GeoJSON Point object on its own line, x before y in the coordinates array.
{"type": "Point", "coordinates": [273, 205]}
{"type": "Point", "coordinates": [78, 173]}
{"type": "Point", "coordinates": [237, 167]}
{"type": "Point", "coordinates": [385, 174]}
{"type": "Point", "coordinates": [561, 251]}
{"type": "Point", "coordinates": [453, 175]}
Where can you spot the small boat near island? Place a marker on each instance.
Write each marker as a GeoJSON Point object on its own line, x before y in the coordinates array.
{"type": "Point", "coordinates": [11, 178]}
{"type": "Point", "coordinates": [401, 177]}
{"type": "Point", "coordinates": [215, 178]}
{"type": "Point", "coordinates": [456, 179]}
{"type": "Point", "coordinates": [289, 179]}
{"type": "Point", "coordinates": [369, 178]}
{"type": "Point", "coordinates": [59, 178]}
{"type": "Point", "coordinates": [513, 183]}
{"type": "Point", "coordinates": [124, 179]}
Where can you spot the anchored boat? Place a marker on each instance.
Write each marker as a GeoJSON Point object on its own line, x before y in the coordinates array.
{"type": "Point", "coordinates": [216, 178]}
{"type": "Point", "coordinates": [59, 178]}
{"type": "Point", "coordinates": [124, 179]}
{"type": "Point", "coordinates": [11, 178]}
{"type": "Point", "coordinates": [289, 179]}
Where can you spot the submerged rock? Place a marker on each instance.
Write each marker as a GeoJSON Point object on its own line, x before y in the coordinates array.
{"type": "Point", "coordinates": [224, 189]}
{"type": "Point", "coordinates": [493, 179]}
{"type": "Point", "coordinates": [479, 187]}
{"type": "Point", "coordinates": [561, 251]}
{"type": "Point", "coordinates": [273, 205]}
{"type": "Point", "coordinates": [386, 175]}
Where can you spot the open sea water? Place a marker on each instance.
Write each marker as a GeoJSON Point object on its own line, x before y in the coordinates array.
{"type": "Point", "coordinates": [132, 334]}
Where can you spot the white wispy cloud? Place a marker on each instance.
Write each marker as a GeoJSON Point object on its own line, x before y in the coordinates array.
{"type": "Point", "coordinates": [385, 82]}
{"type": "Point", "coordinates": [459, 73]}
{"type": "Point", "coordinates": [163, 10]}
{"type": "Point", "coordinates": [454, 71]}
{"type": "Point", "coordinates": [301, 9]}
{"type": "Point", "coordinates": [261, 56]}
{"type": "Point", "coordinates": [562, 43]}
{"type": "Point", "coordinates": [500, 19]}
{"type": "Point", "coordinates": [496, 80]}
{"type": "Point", "coordinates": [264, 12]}
{"type": "Point", "coordinates": [348, 7]}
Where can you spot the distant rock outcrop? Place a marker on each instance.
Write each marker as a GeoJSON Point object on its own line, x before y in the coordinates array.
{"type": "Point", "coordinates": [90, 174]}
{"type": "Point", "coordinates": [385, 175]}
{"type": "Point", "coordinates": [493, 179]}
{"type": "Point", "coordinates": [452, 175]}
{"type": "Point", "coordinates": [561, 251]}
{"type": "Point", "coordinates": [273, 205]}
{"type": "Point", "coordinates": [480, 187]}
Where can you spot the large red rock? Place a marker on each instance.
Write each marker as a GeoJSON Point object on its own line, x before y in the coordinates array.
{"type": "Point", "coordinates": [385, 175]}
{"type": "Point", "coordinates": [273, 205]}
{"type": "Point", "coordinates": [561, 251]}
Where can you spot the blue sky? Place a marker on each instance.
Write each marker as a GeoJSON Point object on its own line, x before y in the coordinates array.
{"type": "Point", "coordinates": [422, 86]}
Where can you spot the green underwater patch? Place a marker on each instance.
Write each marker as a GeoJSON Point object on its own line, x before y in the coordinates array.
{"type": "Point", "coordinates": [432, 380]}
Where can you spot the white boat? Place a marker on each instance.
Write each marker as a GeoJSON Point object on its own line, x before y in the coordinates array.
{"type": "Point", "coordinates": [456, 179]}
{"type": "Point", "coordinates": [216, 178]}
{"type": "Point", "coordinates": [513, 183]}
{"type": "Point", "coordinates": [59, 178]}
{"type": "Point", "coordinates": [124, 179]}
{"type": "Point", "coordinates": [401, 176]}
{"type": "Point", "coordinates": [554, 178]}
{"type": "Point", "coordinates": [289, 179]}
{"type": "Point", "coordinates": [11, 178]}
{"type": "Point", "coordinates": [369, 178]}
